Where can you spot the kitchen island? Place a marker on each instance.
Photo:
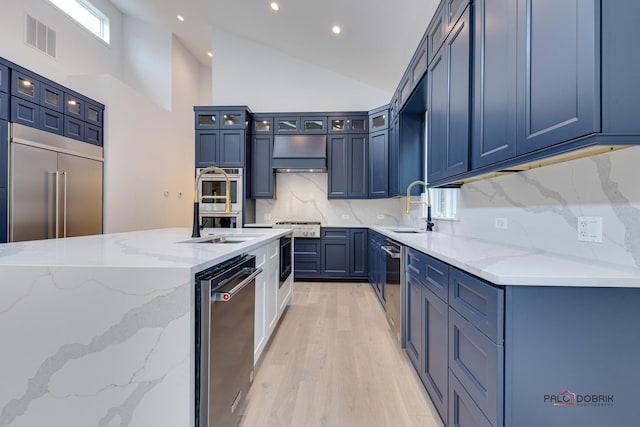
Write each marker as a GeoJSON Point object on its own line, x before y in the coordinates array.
{"type": "Point", "coordinates": [98, 330]}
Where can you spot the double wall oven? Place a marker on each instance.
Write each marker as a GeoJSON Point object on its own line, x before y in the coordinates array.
{"type": "Point", "coordinates": [212, 214]}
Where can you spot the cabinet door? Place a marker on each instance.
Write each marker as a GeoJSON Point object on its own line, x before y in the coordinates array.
{"type": "Point", "coordinates": [463, 411]}
{"type": "Point", "coordinates": [52, 98]}
{"type": "Point", "coordinates": [261, 171]}
{"type": "Point", "coordinates": [3, 215]}
{"type": "Point", "coordinates": [25, 112]}
{"type": "Point", "coordinates": [313, 124]}
{"type": "Point", "coordinates": [4, 106]}
{"type": "Point", "coordinates": [449, 111]}
{"type": "Point", "coordinates": [415, 322]}
{"type": "Point", "coordinates": [206, 148]}
{"type": "Point", "coordinates": [93, 114]}
{"type": "Point", "coordinates": [74, 106]}
{"type": "Point", "coordinates": [287, 125]}
{"type": "Point", "coordinates": [232, 120]}
{"type": "Point", "coordinates": [25, 87]}
{"type": "Point", "coordinates": [4, 78]}
{"type": "Point", "coordinates": [435, 366]}
{"type": "Point", "coordinates": [338, 167]}
{"type": "Point", "coordinates": [436, 33]}
{"type": "Point", "coordinates": [358, 252]}
{"type": "Point", "coordinates": [358, 166]}
{"type": "Point", "coordinates": [73, 128]}
{"type": "Point", "coordinates": [394, 159]}
{"type": "Point", "coordinates": [494, 115]}
{"type": "Point", "coordinates": [93, 134]}
{"type": "Point", "coordinates": [558, 67]}
{"type": "Point", "coordinates": [206, 119]}
{"type": "Point", "coordinates": [231, 149]}
{"type": "Point", "coordinates": [273, 282]}
{"type": "Point", "coordinates": [378, 165]}
{"type": "Point", "coordinates": [334, 257]}
{"type": "Point", "coordinates": [51, 121]}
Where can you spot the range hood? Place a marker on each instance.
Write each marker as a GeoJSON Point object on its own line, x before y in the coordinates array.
{"type": "Point", "coordinates": [300, 153]}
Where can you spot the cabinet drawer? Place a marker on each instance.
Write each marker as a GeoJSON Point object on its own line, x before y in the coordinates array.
{"type": "Point", "coordinates": [480, 303]}
{"type": "Point", "coordinates": [434, 274]}
{"type": "Point", "coordinates": [25, 112]}
{"type": "Point", "coordinates": [306, 267]}
{"type": "Point", "coordinates": [51, 121]}
{"type": "Point", "coordinates": [416, 266]}
{"type": "Point", "coordinates": [463, 411]}
{"type": "Point", "coordinates": [478, 363]}
{"type": "Point", "coordinates": [4, 106]}
{"type": "Point", "coordinates": [334, 233]}
{"type": "Point", "coordinates": [306, 247]}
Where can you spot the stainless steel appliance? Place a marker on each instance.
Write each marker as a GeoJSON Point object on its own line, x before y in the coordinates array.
{"type": "Point", "coordinates": [286, 254]}
{"type": "Point", "coordinates": [224, 328]}
{"type": "Point", "coordinates": [394, 289]}
{"type": "Point", "coordinates": [212, 211]}
{"type": "Point", "coordinates": [301, 228]}
{"type": "Point", "coordinates": [55, 186]}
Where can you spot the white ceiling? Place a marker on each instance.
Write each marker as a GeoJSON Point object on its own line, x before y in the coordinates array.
{"type": "Point", "coordinates": [377, 41]}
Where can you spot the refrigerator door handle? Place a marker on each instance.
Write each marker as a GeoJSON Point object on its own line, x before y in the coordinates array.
{"type": "Point", "coordinates": [64, 206]}
{"type": "Point", "coordinates": [57, 204]}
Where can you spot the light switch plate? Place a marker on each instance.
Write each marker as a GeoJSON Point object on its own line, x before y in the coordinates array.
{"type": "Point", "coordinates": [590, 229]}
{"type": "Point", "coordinates": [346, 216]}
{"type": "Point", "coordinates": [267, 217]}
{"type": "Point", "coordinates": [380, 216]}
{"type": "Point", "coordinates": [501, 223]}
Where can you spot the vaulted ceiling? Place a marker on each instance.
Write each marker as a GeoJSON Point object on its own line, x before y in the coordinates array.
{"type": "Point", "coordinates": [377, 41]}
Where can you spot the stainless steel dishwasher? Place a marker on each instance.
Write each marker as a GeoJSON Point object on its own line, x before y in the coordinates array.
{"type": "Point", "coordinates": [225, 300]}
{"type": "Point", "coordinates": [394, 289]}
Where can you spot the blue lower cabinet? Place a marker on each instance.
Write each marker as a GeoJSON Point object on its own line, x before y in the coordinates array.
{"type": "Point", "coordinates": [25, 112]}
{"type": "Point", "coordinates": [335, 252]}
{"type": "Point", "coordinates": [358, 260]}
{"type": "Point", "coordinates": [306, 255]}
{"type": "Point", "coordinates": [478, 363]}
{"type": "Point", "coordinates": [93, 134]}
{"type": "Point", "coordinates": [435, 365]}
{"type": "Point", "coordinates": [73, 128]}
{"type": "Point", "coordinates": [3, 215]}
{"type": "Point", "coordinates": [463, 411]}
{"type": "Point", "coordinates": [415, 322]}
{"type": "Point", "coordinates": [51, 121]}
{"type": "Point", "coordinates": [306, 267]}
{"type": "Point", "coordinates": [4, 106]}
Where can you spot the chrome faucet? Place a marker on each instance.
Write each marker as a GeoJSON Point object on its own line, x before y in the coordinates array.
{"type": "Point", "coordinates": [196, 201]}
{"type": "Point", "coordinates": [409, 202]}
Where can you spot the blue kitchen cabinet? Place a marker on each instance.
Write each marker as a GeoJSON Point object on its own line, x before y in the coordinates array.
{"type": "Point", "coordinates": [358, 260]}
{"type": "Point", "coordinates": [379, 118]}
{"type": "Point", "coordinates": [437, 31]}
{"type": "Point", "coordinates": [348, 161]}
{"type": "Point", "coordinates": [377, 265]}
{"type": "Point", "coordinates": [406, 153]}
{"type": "Point", "coordinates": [4, 78]}
{"type": "Point", "coordinates": [25, 112]}
{"type": "Point", "coordinates": [24, 85]}
{"type": "Point", "coordinates": [206, 148]}
{"type": "Point", "coordinates": [4, 106]}
{"type": "Point", "coordinates": [93, 134]}
{"type": "Point", "coordinates": [73, 128]}
{"type": "Point", "coordinates": [334, 254]}
{"type": "Point", "coordinates": [494, 113]}
{"type": "Point", "coordinates": [463, 411]}
{"type": "Point", "coordinates": [4, 183]}
{"type": "Point", "coordinates": [52, 97]}
{"type": "Point", "coordinates": [3, 215]}
{"type": "Point", "coordinates": [348, 123]}
{"type": "Point", "coordinates": [379, 164]}
{"type": "Point", "coordinates": [222, 148]}
{"type": "Point", "coordinates": [51, 121]}
{"type": "Point", "coordinates": [94, 114]}
{"type": "Point", "coordinates": [558, 70]}
{"type": "Point", "coordinates": [449, 101]}
{"type": "Point", "coordinates": [358, 166]}
{"type": "Point", "coordinates": [338, 162]}
{"type": "Point", "coordinates": [428, 325]}
{"type": "Point", "coordinates": [74, 106]}
{"type": "Point", "coordinates": [306, 255]}
{"type": "Point", "coordinates": [262, 174]}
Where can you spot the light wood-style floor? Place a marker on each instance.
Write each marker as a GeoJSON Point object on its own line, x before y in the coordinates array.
{"type": "Point", "coordinates": [334, 363]}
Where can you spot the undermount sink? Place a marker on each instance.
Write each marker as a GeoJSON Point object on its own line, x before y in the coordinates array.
{"type": "Point", "coordinates": [224, 238]}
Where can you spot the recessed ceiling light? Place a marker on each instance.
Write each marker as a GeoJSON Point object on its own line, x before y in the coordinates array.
{"type": "Point", "coordinates": [210, 54]}
{"type": "Point", "coordinates": [180, 18]}
{"type": "Point", "coordinates": [336, 29]}
{"type": "Point", "coordinates": [275, 6]}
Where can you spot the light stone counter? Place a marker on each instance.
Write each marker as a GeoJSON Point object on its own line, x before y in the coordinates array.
{"type": "Point", "coordinates": [97, 330]}
{"type": "Point", "coordinates": [511, 265]}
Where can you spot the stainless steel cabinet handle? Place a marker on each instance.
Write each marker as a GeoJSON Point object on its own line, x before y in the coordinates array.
{"type": "Point", "coordinates": [389, 250]}
{"type": "Point", "coordinates": [64, 206]}
{"type": "Point", "coordinates": [57, 196]}
{"type": "Point", "coordinates": [227, 296]}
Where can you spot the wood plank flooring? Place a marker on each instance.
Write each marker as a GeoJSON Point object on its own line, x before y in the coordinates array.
{"type": "Point", "coordinates": [334, 363]}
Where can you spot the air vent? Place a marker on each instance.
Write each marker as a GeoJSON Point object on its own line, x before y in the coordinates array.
{"type": "Point", "coordinates": [40, 36]}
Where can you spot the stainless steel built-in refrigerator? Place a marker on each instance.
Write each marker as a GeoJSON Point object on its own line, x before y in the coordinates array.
{"type": "Point", "coordinates": [55, 186]}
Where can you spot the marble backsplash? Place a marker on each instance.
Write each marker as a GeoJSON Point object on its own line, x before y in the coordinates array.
{"type": "Point", "coordinates": [542, 207]}
{"type": "Point", "coordinates": [303, 197]}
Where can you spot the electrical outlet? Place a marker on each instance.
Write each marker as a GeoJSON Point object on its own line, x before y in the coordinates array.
{"type": "Point", "coordinates": [501, 223]}
{"type": "Point", "coordinates": [267, 217]}
{"type": "Point", "coordinates": [590, 229]}
{"type": "Point", "coordinates": [380, 216]}
{"type": "Point", "coordinates": [346, 216]}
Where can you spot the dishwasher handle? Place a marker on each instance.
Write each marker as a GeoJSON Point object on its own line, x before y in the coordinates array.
{"type": "Point", "coordinates": [391, 252]}
{"type": "Point", "coordinates": [248, 273]}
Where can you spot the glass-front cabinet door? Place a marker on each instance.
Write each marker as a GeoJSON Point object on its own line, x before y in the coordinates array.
{"type": "Point", "coordinates": [25, 87]}
{"type": "Point", "coordinates": [232, 120]}
{"type": "Point", "coordinates": [262, 124]}
{"type": "Point", "coordinates": [338, 124]}
{"type": "Point", "coordinates": [287, 125]}
{"type": "Point", "coordinates": [358, 124]}
{"type": "Point", "coordinates": [207, 120]}
{"type": "Point", "coordinates": [4, 78]}
{"type": "Point", "coordinates": [314, 124]}
{"type": "Point", "coordinates": [74, 106]}
{"type": "Point", "coordinates": [52, 98]}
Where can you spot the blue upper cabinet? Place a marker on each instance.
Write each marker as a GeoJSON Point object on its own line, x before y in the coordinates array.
{"type": "Point", "coordinates": [4, 78]}
{"type": "Point", "coordinates": [74, 106]}
{"type": "Point", "coordinates": [52, 98]}
{"type": "Point", "coordinates": [437, 31]}
{"type": "Point", "coordinates": [222, 136]}
{"type": "Point", "coordinates": [558, 67]}
{"type": "Point", "coordinates": [93, 114]}
{"type": "Point", "coordinates": [286, 124]}
{"type": "Point", "coordinates": [207, 120]}
{"type": "Point", "coordinates": [4, 106]}
{"type": "Point", "coordinates": [494, 113]}
{"type": "Point", "coordinates": [379, 164]}
{"type": "Point", "coordinates": [25, 86]}
{"type": "Point", "coordinates": [449, 98]}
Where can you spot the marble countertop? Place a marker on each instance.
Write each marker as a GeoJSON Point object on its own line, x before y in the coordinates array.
{"type": "Point", "coordinates": [512, 265]}
{"type": "Point", "coordinates": [163, 248]}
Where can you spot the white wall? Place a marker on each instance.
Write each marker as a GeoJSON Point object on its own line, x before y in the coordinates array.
{"type": "Point", "coordinates": [249, 73]}
{"type": "Point", "coordinates": [542, 207]}
{"type": "Point", "coordinates": [149, 83]}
